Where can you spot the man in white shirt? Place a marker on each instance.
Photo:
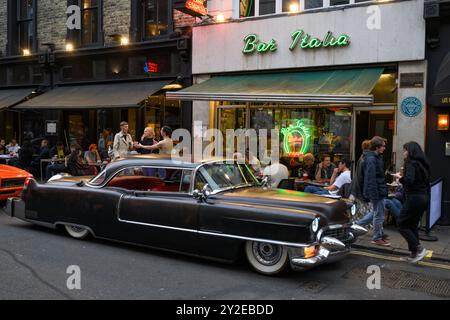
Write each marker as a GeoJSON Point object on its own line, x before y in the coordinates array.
{"type": "Point", "coordinates": [336, 181]}
{"type": "Point", "coordinates": [13, 148]}
{"type": "Point", "coordinates": [123, 142]}
{"type": "Point", "coordinates": [276, 172]}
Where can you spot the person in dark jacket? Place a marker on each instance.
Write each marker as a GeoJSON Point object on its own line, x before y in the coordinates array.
{"type": "Point", "coordinates": [358, 177]}
{"type": "Point", "coordinates": [374, 189]}
{"type": "Point", "coordinates": [25, 156]}
{"type": "Point", "coordinates": [416, 183]}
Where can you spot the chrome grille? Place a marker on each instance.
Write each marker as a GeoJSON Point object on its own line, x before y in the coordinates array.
{"type": "Point", "coordinates": [12, 183]}
{"type": "Point", "coordinates": [342, 234]}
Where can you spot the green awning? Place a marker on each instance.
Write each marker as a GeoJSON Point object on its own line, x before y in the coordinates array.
{"type": "Point", "coordinates": [351, 86]}
{"type": "Point", "coordinates": [95, 96]}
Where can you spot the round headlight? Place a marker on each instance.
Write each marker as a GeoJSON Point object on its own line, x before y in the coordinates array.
{"type": "Point", "coordinates": [315, 224]}
{"type": "Point", "coordinates": [353, 209]}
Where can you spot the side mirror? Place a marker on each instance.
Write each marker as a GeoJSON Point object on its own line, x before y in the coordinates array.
{"type": "Point", "coordinates": [206, 191]}
{"type": "Point", "coordinates": [197, 194]}
{"type": "Point", "coordinates": [265, 182]}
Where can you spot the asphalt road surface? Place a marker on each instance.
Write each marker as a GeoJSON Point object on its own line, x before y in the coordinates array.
{"type": "Point", "coordinates": [34, 263]}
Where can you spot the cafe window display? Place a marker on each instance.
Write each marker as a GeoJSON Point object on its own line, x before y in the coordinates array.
{"type": "Point", "coordinates": [301, 129]}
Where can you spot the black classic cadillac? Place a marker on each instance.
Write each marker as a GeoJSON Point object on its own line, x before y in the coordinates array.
{"type": "Point", "coordinates": [214, 209]}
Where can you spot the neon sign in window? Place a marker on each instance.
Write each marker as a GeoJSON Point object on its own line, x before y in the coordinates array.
{"type": "Point", "coordinates": [297, 138]}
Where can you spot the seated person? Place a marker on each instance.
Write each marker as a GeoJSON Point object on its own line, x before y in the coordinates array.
{"type": "Point", "coordinates": [325, 169]}
{"type": "Point", "coordinates": [276, 172]}
{"type": "Point", "coordinates": [309, 167]}
{"type": "Point", "coordinates": [3, 149]}
{"type": "Point", "coordinates": [336, 181]}
{"type": "Point", "coordinates": [92, 156]}
{"type": "Point", "coordinates": [13, 148]}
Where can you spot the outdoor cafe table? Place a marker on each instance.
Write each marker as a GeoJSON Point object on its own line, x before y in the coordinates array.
{"type": "Point", "coordinates": [6, 157]}
{"type": "Point", "coordinates": [301, 184]}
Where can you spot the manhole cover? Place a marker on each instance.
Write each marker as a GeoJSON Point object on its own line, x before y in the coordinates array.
{"type": "Point", "coordinates": [399, 279]}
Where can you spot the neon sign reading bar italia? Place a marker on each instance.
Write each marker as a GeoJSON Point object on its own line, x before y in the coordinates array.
{"type": "Point", "coordinates": [299, 39]}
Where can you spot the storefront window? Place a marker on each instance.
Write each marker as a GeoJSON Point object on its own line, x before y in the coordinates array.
{"type": "Point", "coordinates": [161, 112]}
{"type": "Point", "coordinates": [301, 129]}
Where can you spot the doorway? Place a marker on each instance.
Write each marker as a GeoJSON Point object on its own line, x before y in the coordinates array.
{"type": "Point", "coordinates": [376, 123]}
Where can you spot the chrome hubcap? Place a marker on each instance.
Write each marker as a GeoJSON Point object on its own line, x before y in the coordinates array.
{"type": "Point", "coordinates": [266, 253]}
{"type": "Point", "coordinates": [77, 229]}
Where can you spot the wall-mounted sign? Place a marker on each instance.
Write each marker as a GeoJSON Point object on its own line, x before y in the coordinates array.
{"type": "Point", "coordinates": [445, 100]}
{"type": "Point", "coordinates": [411, 107]}
{"type": "Point", "coordinates": [195, 8]}
{"type": "Point", "coordinates": [296, 139]}
{"type": "Point", "coordinates": [51, 127]}
{"type": "Point", "coordinates": [150, 67]}
{"type": "Point", "coordinates": [411, 80]}
{"type": "Point", "coordinates": [300, 39]}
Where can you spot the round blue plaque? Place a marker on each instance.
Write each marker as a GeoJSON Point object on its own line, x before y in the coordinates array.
{"type": "Point", "coordinates": [411, 107]}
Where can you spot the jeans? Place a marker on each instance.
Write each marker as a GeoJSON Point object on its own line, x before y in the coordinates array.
{"type": "Point", "coordinates": [410, 215]}
{"type": "Point", "coordinates": [376, 216]}
{"type": "Point", "coordinates": [53, 169]}
{"type": "Point", "coordinates": [394, 206]}
{"type": "Point", "coordinates": [316, 190]}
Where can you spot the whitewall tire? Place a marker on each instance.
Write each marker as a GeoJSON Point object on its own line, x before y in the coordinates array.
{"type": "Point", "coordinates": [267, 258]}
{"type": "Point", "coordinates": [77, 232]}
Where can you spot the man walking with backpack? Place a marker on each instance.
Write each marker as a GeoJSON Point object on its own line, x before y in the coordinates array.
{"type": "Point", "coordinates": [374, 189]}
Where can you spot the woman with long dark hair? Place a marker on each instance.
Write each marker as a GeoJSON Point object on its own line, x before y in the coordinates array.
{"type": "Point", "coordinates": [416, 182]}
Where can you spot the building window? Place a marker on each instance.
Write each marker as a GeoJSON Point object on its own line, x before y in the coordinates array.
{"type": "Point", "coordinates": [155, 18]}
{"type": "Point", "coordinates": [339, 2]}
{"type": "Point", "coordinates": [312, 4]}
{"type": "Point", "coordinates": [291, 5]}
{"type": "Point", "coordinates": [22, 26]}
{"type": "Point", "coordinates": [246, 8]}
{"type": "Point", "coordinates": [266, 7]}
{"type": "Point", "coordinates": [91, 23]}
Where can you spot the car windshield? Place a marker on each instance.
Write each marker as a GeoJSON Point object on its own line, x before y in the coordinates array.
{"type": "Point", "coordinates": [223, 176]}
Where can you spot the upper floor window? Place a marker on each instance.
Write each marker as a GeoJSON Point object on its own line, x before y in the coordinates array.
{"type": "Point", "coordinates": [251, 8]}
{"type": "Point", "coordinates": [155, 19]}
{"type": "Point", "coordinates": [22, 31]}
{"type": "Point", "coordinates": [91, 23]}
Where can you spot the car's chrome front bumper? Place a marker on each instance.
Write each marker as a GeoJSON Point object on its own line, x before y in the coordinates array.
{"type": "Point", "coordinates": [330, 249]}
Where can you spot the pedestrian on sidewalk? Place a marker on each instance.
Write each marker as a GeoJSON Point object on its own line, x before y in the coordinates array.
{"type": "Point", "coordinates": [374, 188]}
{"type": "Point", "coordinates": [123, 142]}
{"type": "Point", "coordinates": [416, 182]}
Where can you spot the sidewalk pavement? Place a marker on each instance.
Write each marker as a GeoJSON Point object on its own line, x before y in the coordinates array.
{"type": "Point", "coordinates": [437, 250]}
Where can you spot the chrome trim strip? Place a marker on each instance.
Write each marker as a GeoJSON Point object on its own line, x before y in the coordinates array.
{"type": "Point", "coordinates": [283, 243]}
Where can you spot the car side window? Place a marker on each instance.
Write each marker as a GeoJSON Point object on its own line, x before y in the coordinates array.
{"type": "Point", "coordinates": [149, 179]}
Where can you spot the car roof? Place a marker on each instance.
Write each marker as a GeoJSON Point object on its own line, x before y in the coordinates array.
{"type": "Point", "coordinates": [156, 160]}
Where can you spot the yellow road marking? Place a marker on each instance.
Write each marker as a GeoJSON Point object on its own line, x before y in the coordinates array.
{"type": "Point", "coordinates": [396, 259]}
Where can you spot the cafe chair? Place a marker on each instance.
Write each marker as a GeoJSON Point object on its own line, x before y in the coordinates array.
{"type": "Point", "coordinates": [288, 184]}
{"type": "Point", "coordinates": [345, 190]}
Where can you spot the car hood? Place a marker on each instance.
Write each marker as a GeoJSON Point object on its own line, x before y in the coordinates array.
{"type": "Point", "coordinates": [333, 211]}
{"type": "Point", "coordinates": [9, 172]}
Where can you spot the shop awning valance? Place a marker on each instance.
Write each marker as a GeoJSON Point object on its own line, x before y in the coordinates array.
{"type": "Point", "coordinates": [114, 95]}
{"type": "Point", "coordinates": [9, 97]}
{"type": "Point", "coordinates": [351, 86]}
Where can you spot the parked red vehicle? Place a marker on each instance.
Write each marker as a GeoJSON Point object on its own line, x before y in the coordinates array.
{"type": "Point", "coordinates": [12, 181]}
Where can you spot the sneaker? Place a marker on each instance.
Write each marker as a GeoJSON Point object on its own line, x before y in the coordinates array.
{"type": "Point", "coordinates": [419, 256]}
{"type": "Point", "coordinates": [381, 242]}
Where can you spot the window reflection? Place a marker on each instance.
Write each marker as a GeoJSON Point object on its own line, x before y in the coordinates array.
{"type": "Point", "coordinates": [156, 16]}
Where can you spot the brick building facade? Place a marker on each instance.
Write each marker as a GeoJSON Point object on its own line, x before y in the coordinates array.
{"type": "Point", "coordinates": [39, 65]}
